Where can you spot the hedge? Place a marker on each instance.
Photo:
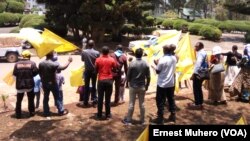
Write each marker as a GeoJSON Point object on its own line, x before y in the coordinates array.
{"type": "Point", "coordinates": [226, 26]}
{"type": "Point", "coordinates": [159, 20]}
{"type": "Point", "coordinates": [15, 30]}
{"type": "Point", "coordinates": [29, 17]}
{"type": "Point", "coordinates": [194, 28]}
{"type": "Point", "coordinates": [180, 24]}
{"type": "Point", "coordinates": [2, 6]}
{"type": "Point", "coordinates": [15, 7]}
{"type": "Point", "coordinates": [127, 28]}
{"type": "Point", "coordinates": [208, 22]}
{"type": "Point", "coordinates": [210, 33]}
{"type": "Point", "coordinates": [150, 20]}
{"type": "Point", "coordinates": [35, 23]}
{"type": "Point", "coordinates": [8, 19]}
{"type": "Point", "coordinates": [168, 23]}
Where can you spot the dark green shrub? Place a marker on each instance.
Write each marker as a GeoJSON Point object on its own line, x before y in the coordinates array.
{"type": "Point", "coordinates": [180, 24]}
{"type": "Point", "coordinates": [168, 23]}
{"type": "Point", "coordinates": [127, 28]}
{"type": "Point", "coordinates": [150, 20]}
{"type": "Point", "coordinates": [20, 16]}
{"type": "Point", "coordinates": [35, 23]}
{"type": "Point", "coordinates": [208, 22]}
{"type": "Point", "coordinates": [226, 26]}
{"type": "Point", "coordinates": [15, 7]}
{"type": "Point", "coordinates": [148, 30]}
{"type": "Point", "coordinates": [2, 6]}
{"type": "Point", "coordinates": [8, 19]}
{"type": "Point", "coordinates": [194, 28]}
{"type": "Point", "coordinates": [242, 28]}
{"type": "Point", "coordinates": [247, 37]}
{"type": "Point", "coordinates": [159, 20]}
{"type": "Point", "coordinates": [26, 18]}
{"type": "Point", "coordinates": [210, 33]}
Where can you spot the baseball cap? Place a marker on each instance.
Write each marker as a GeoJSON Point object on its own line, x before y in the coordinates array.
{"type": "Point", "coordinates": [26, 54]}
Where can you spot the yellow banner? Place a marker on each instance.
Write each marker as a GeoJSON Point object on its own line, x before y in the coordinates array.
{"type": "Point", "coordinates": [76, 77]}
{"type": "Point", "coordinates": [9, 78]}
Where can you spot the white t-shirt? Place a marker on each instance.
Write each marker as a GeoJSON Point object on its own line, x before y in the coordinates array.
{"type": "Point", "coordinates": [166, 67]}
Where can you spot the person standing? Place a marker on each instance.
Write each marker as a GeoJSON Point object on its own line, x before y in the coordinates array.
{"type": "Point", "coordinates": [24, 71]}
{"type": "Point", "coordinates": [232, 69]}
{"type": "Point", "coordinates": [89, 56]}
{"type": "Point", "coordinates": [201, 62]}
{"type": "Point", "coordinates": [121, 60]}
{"type": "Point", "coordinates": [104, 66]}
{"type": "Point", "coordinates": [37, 89]}
{"type": "Point", "coordinates": [139, 80]}
{"type": "Point", "coordinates": [166, 84]}
{"type": "Point", "coordinates": [47, 71]}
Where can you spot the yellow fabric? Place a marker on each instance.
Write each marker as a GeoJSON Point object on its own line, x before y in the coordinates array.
{"type": "Point", "coordinates": [9, 78]}
{"type": "Point", "coordinates": [144, 135]}
{"type": "Point", "coordinates": [65, 46]}
{"type": "Point", "coordinates": [157, 51]}
{"type": "Point", "coordinates": [241, 121]}
{"type": "Point", "coordinates": [186, 58]}
{"type": "Point", "coordinates": [76, 77]}
{"type": "Point", "coordinates": [33, 36]}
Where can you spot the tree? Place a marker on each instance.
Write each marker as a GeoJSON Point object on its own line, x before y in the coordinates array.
{"type": "Point", "coordinates": [177, 4]}
{"type": "Point", "coordinates": [201, 6]}
{"type": "Point", "coordinates": [239, 6]}
{"type": "Point", "coordinates": [15, 7]}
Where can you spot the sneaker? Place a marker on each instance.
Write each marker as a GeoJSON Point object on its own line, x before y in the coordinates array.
{"type": "Point", "coordinates": [157, 121]}
{"type": "Point", "coordinates": [126, 122]}
{"type": "Point", "coordinates": [195, 107]}
{"type": "Point", "coordinates": [64, 112]}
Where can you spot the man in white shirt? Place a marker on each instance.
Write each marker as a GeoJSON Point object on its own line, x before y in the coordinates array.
{"type": "Point", "coordinates": [166, 84]}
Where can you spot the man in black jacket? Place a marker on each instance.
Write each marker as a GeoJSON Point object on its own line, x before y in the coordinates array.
{"type": "Point", "coordinates": [24, 71]}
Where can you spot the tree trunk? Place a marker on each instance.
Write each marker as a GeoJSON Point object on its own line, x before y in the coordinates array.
{"type": "Point", "coordinates": [116, 35]}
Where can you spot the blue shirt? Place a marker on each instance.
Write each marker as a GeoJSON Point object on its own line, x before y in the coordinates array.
{"type": "Point", "coordinates": [201, 56]}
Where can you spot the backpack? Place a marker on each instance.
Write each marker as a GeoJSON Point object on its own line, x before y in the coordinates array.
{"type": "Point", "coordinates": [119, 64]}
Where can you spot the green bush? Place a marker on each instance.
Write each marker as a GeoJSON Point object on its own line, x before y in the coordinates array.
{"type": "Point", "coordinates": [247, 37]}
{"type": "Point", "coordinates": [127, 28]}
{"type": "Point", "coordinates": [15, 7]}
{"type": "Point", "coordinates": [168, 23]}
{"type": "Point", "coordinates": [226, 26]}
{"type": "Point", "coordinates": [180, 24]}
{"type": "Point", "coordinates": [194, 28]}
{"type": "Point", "coordinates": [148, 30]}
{"type": "Point", "coordinates": [20, 16]}
{"type": "Point", "coordinates": [35, 23]}
{"type": "Point", "coordinates": [2, 6]}
{"type": "Point", "coordinates": [159, 20]}
{"type": "Point", "coordinates": [242, 28]}
{"type": "Point", "coordinates": [210, 33]}
{"type": "Point", "coordinates": [150, 20]}
{"type": "Point", "coordinates": [8, 19]}
{"type": "Point", "coordinates": [15, 30]}
{"type": "Point", "coordinates": [208, 22]}
{"type": "Point", "coordinates": [26, 18]}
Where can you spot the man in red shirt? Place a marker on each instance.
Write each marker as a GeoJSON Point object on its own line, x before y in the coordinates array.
{"type": "Point", "coordinates": [104, 66]}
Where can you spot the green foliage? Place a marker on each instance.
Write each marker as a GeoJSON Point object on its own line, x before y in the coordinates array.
{"type": "Point", "coordinates": [180, 24]}
{"type": "Point", "coordinates": [171, 14]}
{"type": "Point", "coordinates": [247, 37]}
{"type": "Point", "coordinates": [29, 17]}
{"type": "Point", "coordinates": [159, 20]}
{"type": "Point", "coordinates": [2, 6]}
{"type": "Point", "coordinates": [226, 26]}
{"type": "Point", "coordinates": [127, 28]}
{"type": "Point", "coordinates": [35, 23]}
{"type": "Point", "coordinates": [15, 7]}
{"type": "Point", "coordinates": [221, 13]}
{"type": "Point", "coordinates": [15, 30]}
{"type": "Point", "coordinates": [208, 22]}
{"type": "Point", "coordinates": [8, 19]}
{"type": "Point", "coordinates": [168, 23]}
{"type": "Point", "coordinates": [20, 16]}
{"type": "Point", "coordinates": [194, 28]}
{"type": "Point", "coordinates": [210, 33]}
{"type": "Point", "coordinates": [149, 20]}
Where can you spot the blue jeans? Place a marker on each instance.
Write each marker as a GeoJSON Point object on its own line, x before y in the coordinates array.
{"type": "Point", "coordinates": [87, 76]}
{"type": "Point", "coordinates": [47, 87]}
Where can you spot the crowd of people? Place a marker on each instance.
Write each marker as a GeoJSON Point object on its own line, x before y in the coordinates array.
{"type": "Point", "coordinates": [105, 68]}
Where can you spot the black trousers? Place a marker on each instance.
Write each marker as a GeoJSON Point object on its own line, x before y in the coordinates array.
{"type": "Point", "coordinates": [197, 90]}
{"type": "Point", "coordinates": [31, 105]}
{"type": "Point", "coordinates": [161, 95]}
{"type": "Point", "coordinates": [87, 76]}
{"type": "Point", "coordinates": [105, 88]}
{"type": "Point", "coordinates": [117, 80]}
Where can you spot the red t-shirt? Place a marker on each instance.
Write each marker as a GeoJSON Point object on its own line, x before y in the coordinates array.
{"type": "Point", "coordinates": [104, 65]}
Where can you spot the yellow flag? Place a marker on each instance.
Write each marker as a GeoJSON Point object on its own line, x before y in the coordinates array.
{"type": "Point", "coordinates": [32, 35]}
{"type": "Point", "coordinates": [76, 77]}
{"type": "Point", "coordinates": [9, 78]}
{"type": "Point", "coordinates": [167, 39]}
{"type": "Point", "coordinates": [65, 46]}
{"type": "Point", "coordinates": [241, 121]}
{"type": "Point", "coordinates": [186, 58]}
{"type": "Point", "coordinates": [144, 135]}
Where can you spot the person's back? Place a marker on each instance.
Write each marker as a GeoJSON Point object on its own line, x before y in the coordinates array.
{"type": "Point", "coordinates": [137, 73]}
{"type": "Point", "coordinates": [47, 71]}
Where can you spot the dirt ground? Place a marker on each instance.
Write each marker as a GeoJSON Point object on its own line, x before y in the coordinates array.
{"type": "Point", "coordinates": [81, 124]}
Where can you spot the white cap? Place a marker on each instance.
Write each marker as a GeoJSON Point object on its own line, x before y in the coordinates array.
{"type": "Point", "coordinates": [216, 50]}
